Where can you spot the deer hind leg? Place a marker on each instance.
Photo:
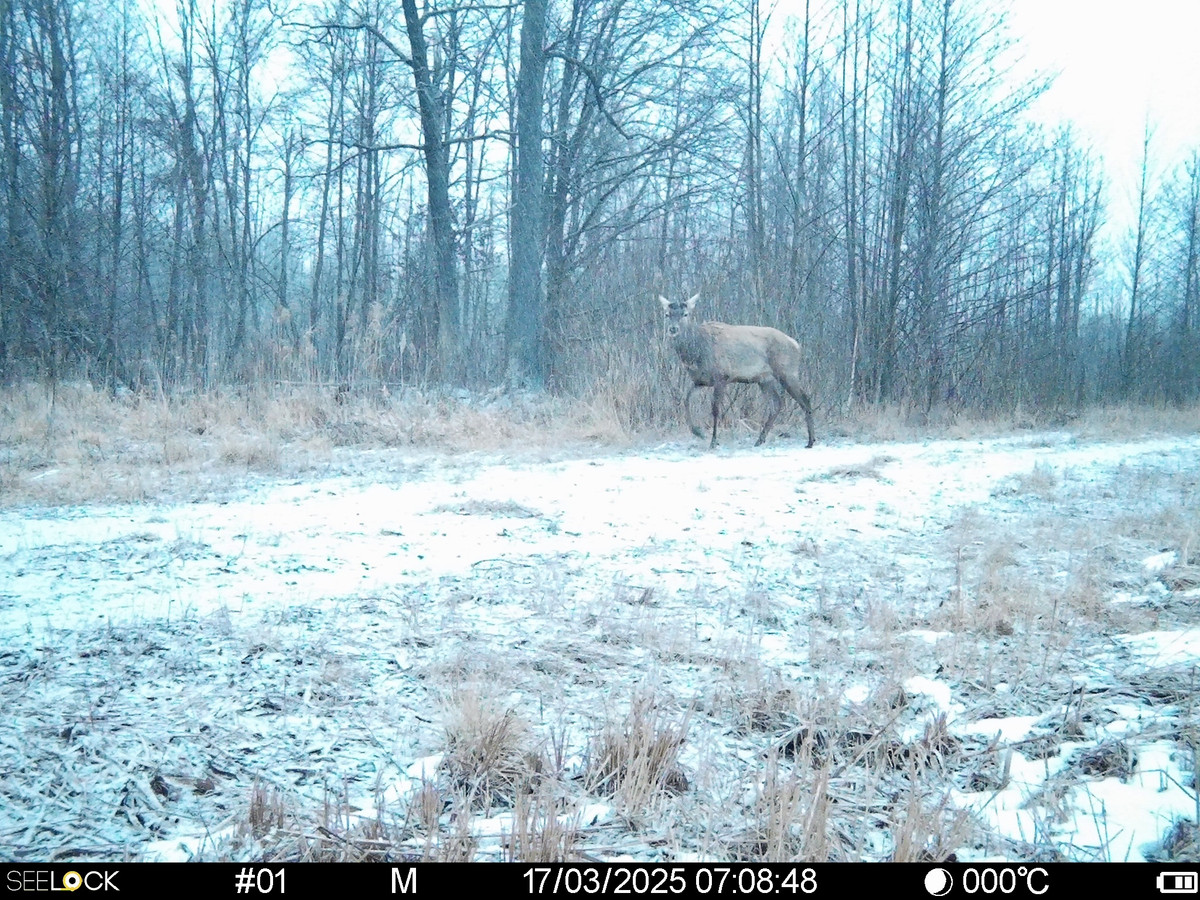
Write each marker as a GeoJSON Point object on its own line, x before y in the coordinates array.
{"type": "Point", "coordinates": [687, 411]}
{"type": "Point", "coordinates": [770, 388]}
{"type": "Point", "coordinates": [792, 383]}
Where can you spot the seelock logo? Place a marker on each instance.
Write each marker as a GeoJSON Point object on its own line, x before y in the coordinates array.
{"type": "Point", "coordinates": [36, 881]}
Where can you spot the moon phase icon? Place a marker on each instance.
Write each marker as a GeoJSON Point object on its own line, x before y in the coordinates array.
{"type": "Point", "coordinates": [938, 882]}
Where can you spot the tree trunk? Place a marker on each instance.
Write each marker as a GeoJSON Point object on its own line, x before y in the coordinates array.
{"type": "Point", "coordinates": [441, 323]}
{"type": "Point", "coordinates": [526, 298]}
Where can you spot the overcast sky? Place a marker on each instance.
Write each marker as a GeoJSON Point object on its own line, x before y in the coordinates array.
{"type": "Point", "coordinates": [1120, 63]}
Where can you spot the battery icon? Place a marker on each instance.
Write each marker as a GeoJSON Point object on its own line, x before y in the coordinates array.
{"type": "Point", "coordinates": [1176, 882]}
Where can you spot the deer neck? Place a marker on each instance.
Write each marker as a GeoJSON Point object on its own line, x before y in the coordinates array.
{"type": "Point", "coordinates": [694, 346]}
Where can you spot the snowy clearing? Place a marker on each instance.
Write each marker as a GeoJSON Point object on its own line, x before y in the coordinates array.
{"type": "Point", "coordinates": [983, 648]}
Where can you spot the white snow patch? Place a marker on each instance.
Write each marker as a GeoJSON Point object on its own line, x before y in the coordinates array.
{"type": "Point", "coordinates": [1160, 561]}
{"type": "Point", "coordinates": [596, 814]}
{"type": "Point", "coordinates": [1010, 728]}
{"type": "Point", "coordinates": [775, 645]}
{"type": "Point", "coordinates": [1165, 648]}
{"type": "Point", "coordinates": [178, 849]}
{"type": "Point", "coordinates": [924, 634]}
{"type": "Point", "coordinates": [1123, 821]}
{"type": "Point", "coordinates": [425, 768]}
{"type": "Point", "coordinates": [936, 691]}
{"type": "Point", "coordinates": [857, 693]}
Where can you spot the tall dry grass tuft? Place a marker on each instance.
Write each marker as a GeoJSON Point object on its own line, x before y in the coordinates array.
{"type": "Point", "coordinates": [542, 831]}
{"type": "Point", "coordinates": [268, 812]}
{"type": "Point", "coordinates": [791, 811]}
{"type": "Point", "coordinates": [1004, 596]}
{"type": "Point", "coordinates": [925, 831]}
{"type": "Point", "coordinates": [491, 756]}
{"type": "Point", "coordinates": [275, 830]}
{"type": "Point", "coordinates": [631, 387]}
{"type": "Point", "coordinates": [459, 844]}
{"type": "Point", "coordinates": [636, 761]}
{"type": "Point", "coordinates": [756, 697]}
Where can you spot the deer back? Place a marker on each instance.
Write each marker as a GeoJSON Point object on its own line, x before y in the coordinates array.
{"type": "Point", "coordinates": [752, 352]}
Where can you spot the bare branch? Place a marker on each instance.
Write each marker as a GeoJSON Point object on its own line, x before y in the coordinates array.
{"type": "Point", "coordinates": [362, 26]}
{"type": "Point", "coordinates": [594, 81]}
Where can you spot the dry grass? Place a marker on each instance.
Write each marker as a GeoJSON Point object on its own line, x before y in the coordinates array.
{"type": "Point", "coordinates": [1037, 596]}
{"type": "Point", "coordinates": [1181, 843]}
{"type": "Point", "coordinates": [1001, 596]}
{"type": "Point", "coordinates": [1040, 480]}
{"type": "Point", "coordinates": [491, 756]}
{"type": "Point", "coordinates": [929, 830]}
{"type": "Point", "coordinates": [871, 468]}
{"type": "Point", "coordinates": [542, 831]}
{"type": "Point", "coordinates": [829, 790]}
{"type": "Point", "coordinates": [636, 761]}
{"type": "Point", "coordinates": [756, 697]}
{"type": "Point", "coordinates": [502, 509]}
{"type": "Point", "coordinates": [898, 422]}
{"type": "Point", "coordinates": [791, 813]}
{"type": "Point", "coordinates": [77, 444]}
{"type": "Point", "coordinates": [1136, 420]}
{"type": "Point", "coordinates": [81, 445]}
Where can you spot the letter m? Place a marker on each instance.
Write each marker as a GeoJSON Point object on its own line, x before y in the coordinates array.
{"type": "Point", "coordinates": [404, 882]}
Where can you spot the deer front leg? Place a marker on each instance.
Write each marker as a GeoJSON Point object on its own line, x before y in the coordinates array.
{"type": "Point", "coordinates": [718, 396]}
{"type": "Point", "coordinates": [687, 411]}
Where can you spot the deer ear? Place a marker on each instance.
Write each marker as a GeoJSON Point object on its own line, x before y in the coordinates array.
{"type": "Point", "coordinates": [692, 301]}
{"type": "Point", "coordinates": [666, 304]}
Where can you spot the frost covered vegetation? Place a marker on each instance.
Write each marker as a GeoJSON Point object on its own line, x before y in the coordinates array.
{"type": "Point", "coordinates": [411, 628]}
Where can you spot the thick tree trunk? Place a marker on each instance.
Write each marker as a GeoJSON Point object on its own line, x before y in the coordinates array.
{"type": "Point", "coordinates": [526, 294]}
{"type": "Point", "coordinates": [442, 321]}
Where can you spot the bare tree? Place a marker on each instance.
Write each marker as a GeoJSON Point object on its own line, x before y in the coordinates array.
{"type": "Point", "coordinates": [1132, 350]}
{"type": "Point", "coordinates": [165, 217]}
{"type": "Point", "coordinates": [52, 134]}
{"type": "Point", "coordinates": [1187, 379]}
{"type": "Point", "coordinates": [526, 295]}
{"type": "Point", "coordinates": [10, 220]}
{"type": "Point", "coordinates": [182, 325]}
{"type": "Point", "coordinates": [442, 322]}
{"type": "Point", "coordinates": [613, 135]}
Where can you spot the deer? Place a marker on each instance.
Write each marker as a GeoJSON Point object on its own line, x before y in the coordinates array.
{"type": "Point", "coordinates": [717, 354]}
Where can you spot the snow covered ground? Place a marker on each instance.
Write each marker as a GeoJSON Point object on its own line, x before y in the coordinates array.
{"type": "Point", "coordinates": [1009, 624]}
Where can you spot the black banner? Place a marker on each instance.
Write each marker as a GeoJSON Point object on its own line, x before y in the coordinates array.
{"type": "Point", "coordinates": [685, 880]}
